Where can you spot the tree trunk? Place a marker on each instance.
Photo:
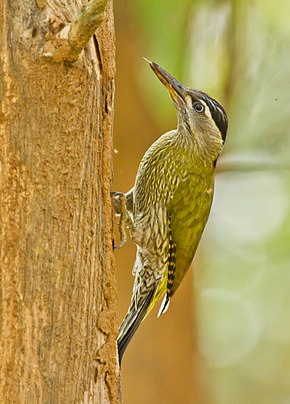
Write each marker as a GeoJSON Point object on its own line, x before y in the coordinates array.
{"type": "Point", "coordinates": [58, 292]}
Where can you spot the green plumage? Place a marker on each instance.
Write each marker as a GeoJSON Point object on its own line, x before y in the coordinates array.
{"type": "Point", "coordinates": [189, 211]}
{"type": "Point", "coordinates": [171, 200]}
{"type": "Point", "coordinates": [173, 184]}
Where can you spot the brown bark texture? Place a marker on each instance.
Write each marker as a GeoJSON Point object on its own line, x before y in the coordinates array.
{"type": "Point", "coordinates": [58, 291]}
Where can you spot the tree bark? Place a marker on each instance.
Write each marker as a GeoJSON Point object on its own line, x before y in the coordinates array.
{"type": "Point", "coordinates": [58, 292]}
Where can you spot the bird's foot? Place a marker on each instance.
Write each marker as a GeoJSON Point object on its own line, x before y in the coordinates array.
{"type": "Point", "coordinates": [119, 203]}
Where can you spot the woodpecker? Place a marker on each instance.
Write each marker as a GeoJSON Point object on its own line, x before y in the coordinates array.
{"type": "Point", "coordinates": [168, 207]}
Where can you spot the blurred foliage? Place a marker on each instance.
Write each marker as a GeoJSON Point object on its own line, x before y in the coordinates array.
{"type": "Point", "coordinates": [238, 51]}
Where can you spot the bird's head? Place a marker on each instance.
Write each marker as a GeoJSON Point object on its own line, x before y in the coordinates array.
{"type": "Point", "coordinates": [198, 114]}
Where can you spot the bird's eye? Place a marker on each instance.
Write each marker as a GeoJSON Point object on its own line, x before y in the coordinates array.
{"type": "Point", "coordinates": [198, 107]}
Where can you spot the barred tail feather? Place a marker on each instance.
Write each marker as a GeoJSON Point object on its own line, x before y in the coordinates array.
{"type": "Point", "coordinates": [131, 323]}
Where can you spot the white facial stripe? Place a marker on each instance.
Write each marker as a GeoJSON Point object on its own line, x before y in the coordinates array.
{"type": "Point", "coordinates": [206, 109]}
{"type": "Point", "coordinates": [208, 113]}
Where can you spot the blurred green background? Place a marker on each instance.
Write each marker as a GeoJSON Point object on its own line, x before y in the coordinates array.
{"type": "Point", "coordinates": [226, 336]}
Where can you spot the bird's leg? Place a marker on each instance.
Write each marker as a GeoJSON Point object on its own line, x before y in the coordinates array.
{"type": "Point", "coordinates": [120, 205]}
{"type": "Point", "coordinates": [123, 221]}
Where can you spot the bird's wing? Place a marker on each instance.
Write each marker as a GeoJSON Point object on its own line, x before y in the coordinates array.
{"type": "Point", "coordinates": [188, 210]}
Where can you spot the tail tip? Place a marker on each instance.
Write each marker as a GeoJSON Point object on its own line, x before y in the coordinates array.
{"type": "Point", "coordinates": [164, 305]}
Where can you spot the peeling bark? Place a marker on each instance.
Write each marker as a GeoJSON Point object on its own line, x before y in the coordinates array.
{"type": "Point", "coordinates": [69, 42]}
{"type": "Point", "coordinates": [58, 291]}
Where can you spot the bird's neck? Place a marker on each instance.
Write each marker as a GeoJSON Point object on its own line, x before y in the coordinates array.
{"type": "Point", "coordinates": [203, 149]}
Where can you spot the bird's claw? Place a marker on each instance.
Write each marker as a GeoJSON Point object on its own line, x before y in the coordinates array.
{"type": "Point", "coordinates": [123, 242]}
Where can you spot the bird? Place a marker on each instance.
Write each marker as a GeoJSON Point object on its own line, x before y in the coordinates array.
{"type": "Point", "coordinates": [168, 207]}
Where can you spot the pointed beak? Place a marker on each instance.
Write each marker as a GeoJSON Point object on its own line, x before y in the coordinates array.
{"type": "Point", "coordinates": [176, 90]}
